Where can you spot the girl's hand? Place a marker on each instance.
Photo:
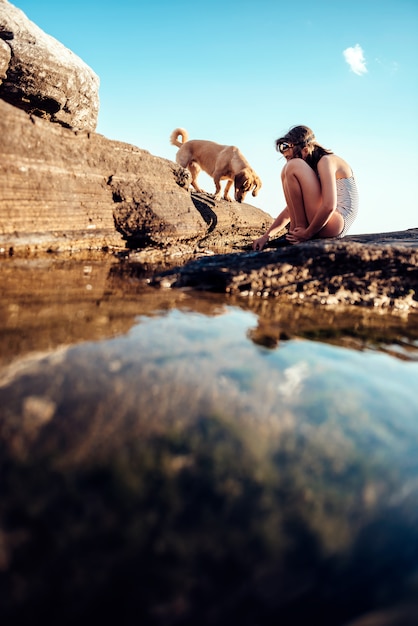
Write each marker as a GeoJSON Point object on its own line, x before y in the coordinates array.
{"type": "Point", "coordinates": [298, 235]}
{"type": "Point", "coordinates": [259, 243]}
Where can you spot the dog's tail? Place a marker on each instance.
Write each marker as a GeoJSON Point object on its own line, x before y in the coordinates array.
{"type": "Point", "coordinates": [178, 132]}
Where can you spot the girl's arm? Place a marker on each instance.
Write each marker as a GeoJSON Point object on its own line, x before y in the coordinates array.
{"type": "Point", "coordinates": [279, 223]}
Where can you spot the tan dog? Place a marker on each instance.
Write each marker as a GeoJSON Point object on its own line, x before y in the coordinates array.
{"type": "Point", "coordinates": [220, 162]}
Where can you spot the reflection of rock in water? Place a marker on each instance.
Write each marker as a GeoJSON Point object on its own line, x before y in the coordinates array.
{"type": "Point", "coordinates": [96, 298]}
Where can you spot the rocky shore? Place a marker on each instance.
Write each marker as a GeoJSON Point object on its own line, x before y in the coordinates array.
{"type": "Point", "coordinates": [66, 188]}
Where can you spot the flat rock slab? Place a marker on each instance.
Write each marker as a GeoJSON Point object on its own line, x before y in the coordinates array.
{"type": "Point", "coordinates": [371, 270]}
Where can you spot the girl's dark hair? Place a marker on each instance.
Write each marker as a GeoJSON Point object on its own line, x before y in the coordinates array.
{"type": "Point", "coordinates": [301, 137]}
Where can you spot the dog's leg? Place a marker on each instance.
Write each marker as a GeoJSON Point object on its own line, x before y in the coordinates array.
{"type": "Point", "coordinates": [226, 191]}
{"type": "Point", "coordinates": [217, 194]}
{"type": "Point", "coordinates": [194, 169]}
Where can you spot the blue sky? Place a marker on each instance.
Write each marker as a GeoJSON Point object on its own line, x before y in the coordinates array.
{"type": "Point", "coordinates": [240, 72]}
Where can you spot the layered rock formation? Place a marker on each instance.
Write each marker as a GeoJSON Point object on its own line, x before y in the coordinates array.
{"type": "Point", "coordinates": [66, 190]}
{"type": "Point", "coordinates": [65, 187]}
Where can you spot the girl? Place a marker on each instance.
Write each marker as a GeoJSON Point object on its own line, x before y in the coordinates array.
{"type": "Point", "coordinates": [319, 188]}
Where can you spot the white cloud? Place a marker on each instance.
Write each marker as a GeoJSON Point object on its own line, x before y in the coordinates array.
{"type": "Point", "coordinates": [293, 379]}
{"type": "Point", "coordinates": [355, 59]}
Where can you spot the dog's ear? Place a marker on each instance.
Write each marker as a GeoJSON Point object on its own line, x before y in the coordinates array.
{"type": "Point", "coordinates": [242, 182]}
{"type": "Point", "coordinates": [256, 185]}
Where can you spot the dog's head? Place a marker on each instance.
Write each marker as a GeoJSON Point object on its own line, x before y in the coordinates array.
{"type": "Point", "coordinates": [245, 181]}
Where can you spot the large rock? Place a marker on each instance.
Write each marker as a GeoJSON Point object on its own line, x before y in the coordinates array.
{"type": "Point", "coordinates": [66, 190]}
{"type": "Point", "coordinates": [43, 76]}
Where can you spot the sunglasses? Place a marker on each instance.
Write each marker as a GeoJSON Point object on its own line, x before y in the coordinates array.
{"type": "Point", "coordinates": [284, 146]}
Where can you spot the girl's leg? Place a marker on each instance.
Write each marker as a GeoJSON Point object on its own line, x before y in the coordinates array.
{"type": "Point", "coordinates": [302, 191]}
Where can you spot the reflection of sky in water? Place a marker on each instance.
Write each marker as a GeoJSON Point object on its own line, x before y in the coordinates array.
{"type": "Point", "coordinates": [190, 365]}
{"type": "Point", "coordinates": [302, 373]}
{"type": "Point", "coordinates": [335, 418]}
{"type": "Point", "coordinates": [340, 395]}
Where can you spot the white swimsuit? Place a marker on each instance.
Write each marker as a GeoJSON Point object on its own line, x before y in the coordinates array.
{"type": "Point", "coordinates": [347, 202]}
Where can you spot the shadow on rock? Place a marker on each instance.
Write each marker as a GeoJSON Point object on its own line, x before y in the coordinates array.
{"type": "Point", "coordinates": [204, 204]}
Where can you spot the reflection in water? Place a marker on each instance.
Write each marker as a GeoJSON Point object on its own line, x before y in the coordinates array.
{"type": "Point", "coordinates": [179, 458]}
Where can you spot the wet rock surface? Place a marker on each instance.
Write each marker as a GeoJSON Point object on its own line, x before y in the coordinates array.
{"type": "Point", "coordinates": [369, 270]}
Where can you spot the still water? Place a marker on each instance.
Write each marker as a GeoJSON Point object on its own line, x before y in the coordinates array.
{"type": "Point", "coordinates": [185, 458]}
